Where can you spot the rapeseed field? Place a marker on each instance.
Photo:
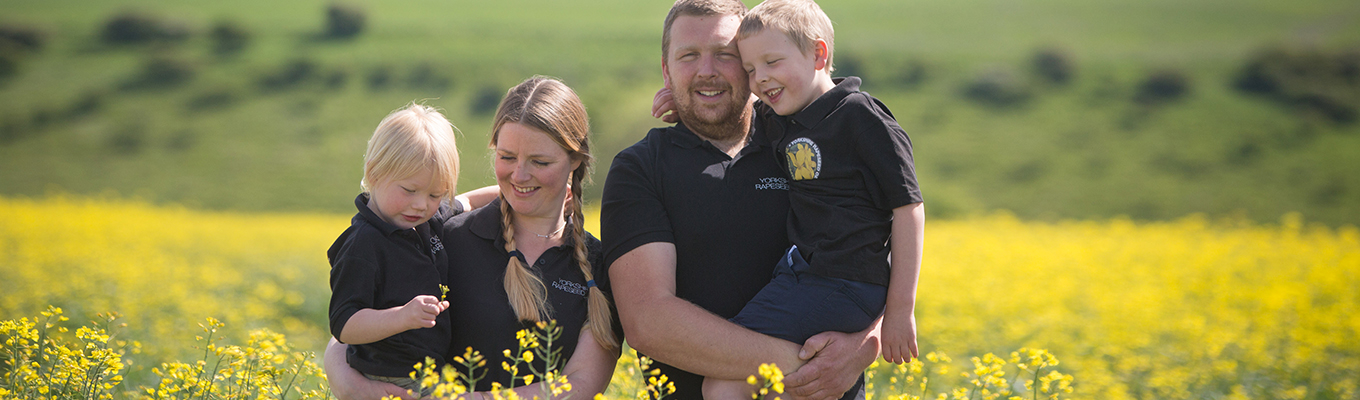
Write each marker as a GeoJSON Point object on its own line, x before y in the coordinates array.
{"type": "Point", "coordinates": [1190, 308]}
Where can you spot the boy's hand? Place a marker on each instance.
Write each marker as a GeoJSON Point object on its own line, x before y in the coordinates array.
{"type": "Point", "coordinates": [663, 106]}
{"type": "Point", "coordinates": [899, 335]}
{"type": "Point", "coordinates": [421, 311]}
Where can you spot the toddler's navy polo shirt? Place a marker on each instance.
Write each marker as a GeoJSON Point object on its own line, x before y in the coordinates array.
{"type": "Point", "coordinates": [377, 265]}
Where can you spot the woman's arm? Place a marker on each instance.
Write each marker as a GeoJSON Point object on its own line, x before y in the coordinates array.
{"type": "Point", "coordinates": [478, 197]}
{"type": "Point", "coordinates": [348, 384]}
{"type": "Point", "coordinates": [591, 366]}
{"type": "Point", "coordinates": [589, 371]}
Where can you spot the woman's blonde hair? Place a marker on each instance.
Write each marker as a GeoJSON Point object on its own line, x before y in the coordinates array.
{"type": "Point", "coordinates": [407, 140]}
{"type": "Point", "coordinates": [549, 106]}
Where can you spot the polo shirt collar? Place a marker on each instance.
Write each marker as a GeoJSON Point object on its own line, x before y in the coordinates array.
{"type": "Point", "coordinates": [487, 225]}
{"type": "Point", "coordinates": [686, 138]}
{"type": "Point", "coordinates": [361, 202]}
{"type": "Point", "coordinates": [817, 111]}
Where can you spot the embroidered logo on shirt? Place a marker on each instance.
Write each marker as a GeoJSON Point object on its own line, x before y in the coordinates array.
{"type": "Point", "coordinates": [570, 287]}
{"type": "Point", "coordinates": [805, 159]}
{"type": "Point", "coordinates": [435, 246]}
{"type": "Point", "coordinates": [773, 183]}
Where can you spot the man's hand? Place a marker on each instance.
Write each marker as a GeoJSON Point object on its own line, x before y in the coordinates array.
{"type": "Point", "coordinates": [899, 336]}
{"type": "Point", "coordinates": [348, 384]}
{"type": "Point", "coordinates": [836, 362]}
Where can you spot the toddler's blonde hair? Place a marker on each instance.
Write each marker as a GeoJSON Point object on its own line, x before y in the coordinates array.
{"type": "Point", "coordinates": [407, 140]}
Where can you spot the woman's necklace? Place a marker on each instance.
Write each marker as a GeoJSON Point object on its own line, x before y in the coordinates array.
{"type": "Point", "coordinates": [553, 233]}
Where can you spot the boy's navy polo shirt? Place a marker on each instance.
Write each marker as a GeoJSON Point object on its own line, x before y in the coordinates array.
{"type": "Point", "coordinates": [726, 217]}
{"type": "Point", "coordinates": [377, 265]}
{"type": "Point", "coordinates": [479, 307]}
{"type": "Point", "coordinates": [849, 165]}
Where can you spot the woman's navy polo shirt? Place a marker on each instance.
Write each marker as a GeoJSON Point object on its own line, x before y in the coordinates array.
{"type": "Point", "coordinates": [725, 216]}
{"type": "Point", "coordinates": [479, 308]}
{"type": "Point", "coordinates": [377, 265]}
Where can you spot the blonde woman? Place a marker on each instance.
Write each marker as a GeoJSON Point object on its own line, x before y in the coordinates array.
{"type": "Point", "coordinates": [526, 257]}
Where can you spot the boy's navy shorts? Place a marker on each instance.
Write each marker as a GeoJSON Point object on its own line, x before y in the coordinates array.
{"type": "Point", "coordinates": [796, 304]}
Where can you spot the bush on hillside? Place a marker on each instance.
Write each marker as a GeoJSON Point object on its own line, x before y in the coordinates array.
{"type": "Point", "coordinates": [847, 64]}
{"type": "Point", "coordinates": [128, 140]}
{"type": "Point", "coordinates": [335, 79]}
{"type": "Point", "coordinates": [486, 100]}
{"type": "Point", "coordinates": [1162, 86]}
{"type": "Point", "coordinates": [290, 75]}
{"type": "Point", "coordinates": [162, 72]}
{"type": "Point", "coordinates": [999, 88]}
{"type": "Point", "coordinates": [1053, 66]}
{"type": "Point", "coordinates": [9, 65]}
{"type": "Point", "coordinates": [379, 77]}
{"type": "Point", "coordinates": [912, 74]}
{"type": "Point", "coordinates": [15, 43]}
{"type": "Point", "coordinates": [425, 76]}
{"type": "Point", "coordinates": [213, 99]}
{"type": "Point", "coordinates": [89, 102]}
{"type": "Point", "coordinates": [229, 37]}
{"type": "Point", "coordinates": [344, 21]}
{"type": "Point", "coordinates": [22, 38]}
{"type": "Point", "coordinates": [1312, 80]}
{"type": "Point", "coordinates": [132, 27]}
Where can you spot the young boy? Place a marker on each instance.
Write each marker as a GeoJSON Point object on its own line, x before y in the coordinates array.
{"type": "Point", "coordinates": [852, 192]}
{"type": "Point", "coordinates": [388, 267]}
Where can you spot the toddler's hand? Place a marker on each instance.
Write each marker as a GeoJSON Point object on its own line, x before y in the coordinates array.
{"type": "Point", "coordinates": [421, 311]}
{"type": "Point", "coordinates": [898, 336]}
{"type": "Point", "coordinates": [663, 106]}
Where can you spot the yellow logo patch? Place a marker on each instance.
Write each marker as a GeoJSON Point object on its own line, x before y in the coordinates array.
{"type": "Point", "coordinates": [805, 159]}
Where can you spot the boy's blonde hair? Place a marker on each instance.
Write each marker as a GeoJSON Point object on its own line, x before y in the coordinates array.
{"type": "Point", "coordinates": [407, 140]}
{"type": "Point", "coordinates": [801, 20]}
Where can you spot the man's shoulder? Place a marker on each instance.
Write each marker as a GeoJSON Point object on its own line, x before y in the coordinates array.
{"type": "Point", "coordinates": [651, 142]}
{"type": "Point", "coordinates": [648, 150]}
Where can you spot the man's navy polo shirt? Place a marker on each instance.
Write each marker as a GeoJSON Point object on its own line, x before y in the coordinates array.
{"type": "Point", "coordinates": [479, 307]}
{"type": "Point", "coordinates": [849, 165]}
{"type": "Point", "coordinates": [377, 265]}
{"type": "Point", "coordinates": [726, 217]}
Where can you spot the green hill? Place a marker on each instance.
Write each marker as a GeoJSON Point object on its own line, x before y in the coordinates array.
{"type": "Point", "coordinates": [281, 123]}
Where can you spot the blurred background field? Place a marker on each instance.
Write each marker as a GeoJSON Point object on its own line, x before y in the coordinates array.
{"type": "Point", "coordinates": [1161, 193]}
{"type": "Point", "coordinates": [1192, 308]}
{"type": "Point", "coordinates": [1050, 109]}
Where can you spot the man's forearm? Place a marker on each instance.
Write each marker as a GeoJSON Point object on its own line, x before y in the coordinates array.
{"type": "Point", "coordinates": [688, 337]}
{"type": "Point", "coordinates": [347, 383]}
{"type": "Point", "coordinates": [680, 333]}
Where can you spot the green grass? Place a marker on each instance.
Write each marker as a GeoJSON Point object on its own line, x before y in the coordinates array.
{"type": "Point", "coordinates": [1079, 151]}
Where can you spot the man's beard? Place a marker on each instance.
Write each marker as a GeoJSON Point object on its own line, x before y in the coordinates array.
{"type": "Point", "coordinates": [727, 122]}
